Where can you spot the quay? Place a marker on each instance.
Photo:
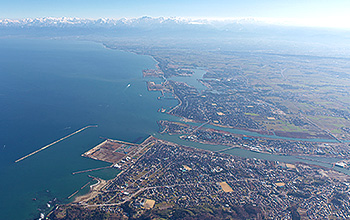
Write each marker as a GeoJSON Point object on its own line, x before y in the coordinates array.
{"type": "Point", "coordinates": [55, 142]}
{"type": "Point", "coordinates": [119, 142]}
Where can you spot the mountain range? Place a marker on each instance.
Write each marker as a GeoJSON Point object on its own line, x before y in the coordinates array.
{"type": "Point", "coordinates": [130, 22]}
{"type": "Point", "coordinates": [251, 33]}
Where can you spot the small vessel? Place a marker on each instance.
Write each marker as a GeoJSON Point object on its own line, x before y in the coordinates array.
{"type": "Point", "coordinates": [128, 85]}
{"type": "Point", "coordinates": [42, 216]}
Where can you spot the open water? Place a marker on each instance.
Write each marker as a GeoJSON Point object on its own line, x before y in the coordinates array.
{"type": "Point", "coordinates": [49, 89]}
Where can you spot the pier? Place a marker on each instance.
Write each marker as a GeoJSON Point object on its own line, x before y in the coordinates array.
{"type": "Point", "coordinates": [90, 170]}
{"type": "Point", "coordinates": [55, 142]}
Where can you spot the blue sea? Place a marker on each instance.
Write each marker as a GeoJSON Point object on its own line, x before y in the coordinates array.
{"type": "Point", "coordinates": [51, 88]}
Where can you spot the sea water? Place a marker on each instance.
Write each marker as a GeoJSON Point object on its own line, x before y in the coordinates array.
{"type": "Point", "coordinates": [51, 88]}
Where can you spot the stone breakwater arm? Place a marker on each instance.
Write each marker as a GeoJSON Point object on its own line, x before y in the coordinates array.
{"type": "Point", "coordinates": [55, 142]}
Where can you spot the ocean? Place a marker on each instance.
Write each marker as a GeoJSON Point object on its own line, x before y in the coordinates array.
{"type": "Point", "coordinates": [51, 88]}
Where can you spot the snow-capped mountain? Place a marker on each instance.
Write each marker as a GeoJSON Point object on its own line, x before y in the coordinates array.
{"type": "Point", "coordinates": [175, 28]}
{"type": "Point", "coordinates": [130, 22]}
{"type": "Point", "coordinates": [79, 22]}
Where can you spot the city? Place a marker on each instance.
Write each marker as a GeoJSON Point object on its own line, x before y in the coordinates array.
{"type": "Point", "coordinates": [172, 181]}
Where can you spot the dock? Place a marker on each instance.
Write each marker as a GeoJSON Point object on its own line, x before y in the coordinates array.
{"type": "Point", "coordinates": [55, 142]}
{"type": "Point", "coordinates": [121, 142]}
{"type": "Point", "coordinates": [90, 170]}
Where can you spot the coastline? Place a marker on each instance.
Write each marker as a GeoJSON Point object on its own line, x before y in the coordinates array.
{"type": "Point", "coordinates": [59, 162]}
{"type": "Point", "coordinates": [266, 134]}
{"type": "Point", "coordinates": [94, 189]}
{"type": "Point", "coordinates": [101, 184]}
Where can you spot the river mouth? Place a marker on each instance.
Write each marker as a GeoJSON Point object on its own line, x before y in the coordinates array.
{"type": "Point", "coordinates": [193, 81]}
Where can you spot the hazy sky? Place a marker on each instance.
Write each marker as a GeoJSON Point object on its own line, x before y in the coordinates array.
{"type": "Point", "coordinates": [307, 12]}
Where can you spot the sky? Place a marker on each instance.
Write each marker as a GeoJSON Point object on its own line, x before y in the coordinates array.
{"type": "Point", "coordinates": [328, 13]}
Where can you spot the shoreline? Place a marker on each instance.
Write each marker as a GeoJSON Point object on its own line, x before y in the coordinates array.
{"type": "Point", "coordinates": [100, 185]}
{"type": "Point", "coordinates": [94, 190]}
{"type": "Point", "coordinates": [259, 132]}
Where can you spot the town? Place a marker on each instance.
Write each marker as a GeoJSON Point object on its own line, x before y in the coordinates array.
{"type": "Point", "coordinates": [258, 144]}
{"type": "Point", "coordinates": [270, 93]}
{"type": "Point", "coordinates": [172, 181]}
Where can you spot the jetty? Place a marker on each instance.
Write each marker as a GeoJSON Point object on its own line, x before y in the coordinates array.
{"type": "Point", "coordinates": [55, 142]}
{"type": "Point", "coordinates": [90, 170]}
{"type": "Point", "coordinates": [73, 194]}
